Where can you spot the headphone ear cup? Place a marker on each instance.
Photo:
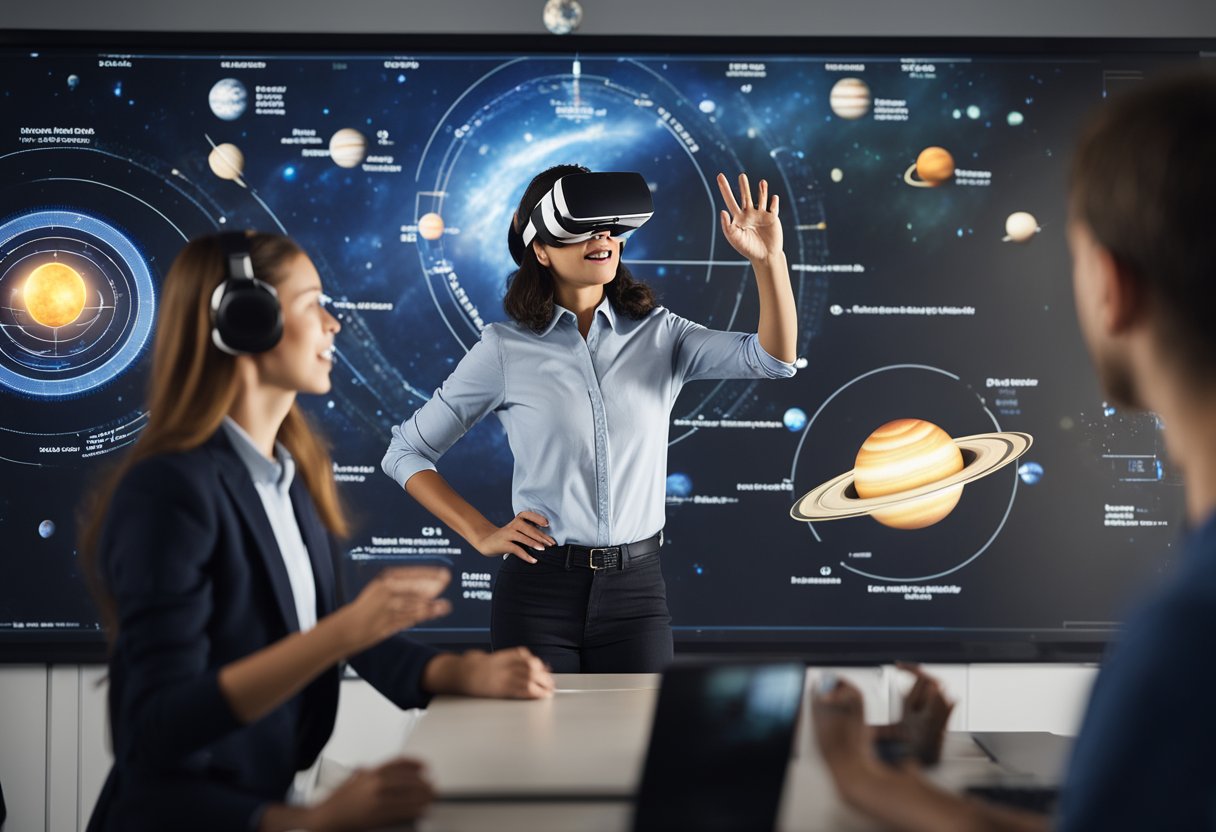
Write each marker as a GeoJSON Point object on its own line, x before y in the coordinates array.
{"type": "Point", "coordinates": [247, 318]}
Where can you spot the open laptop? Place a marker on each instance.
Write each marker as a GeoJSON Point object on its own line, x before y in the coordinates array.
{"type": "Point", "coordinates": [1031, 768]}
{"type": "Point", "coordinates": [719, 747]}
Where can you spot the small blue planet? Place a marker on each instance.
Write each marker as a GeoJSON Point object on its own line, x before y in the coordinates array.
{"type": "Point", "coordinates": [794, 419]}
{"type": "Point", "coordinates": [679, 485]}
{"type": "Point", "coordinates": [45, 529]}
{"type": "Point", "coordinates": [1030, 472]}
{"type": "Point", "coordinates": [73, 81]}
{"type": "Point", "coordinates": [698, 569]}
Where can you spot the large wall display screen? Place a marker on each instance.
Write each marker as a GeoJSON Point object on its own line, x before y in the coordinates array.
{"type": "Point", "coordinates": [923, 201]}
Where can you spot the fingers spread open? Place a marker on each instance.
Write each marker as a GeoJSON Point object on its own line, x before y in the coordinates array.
{"type": "Point", "coordinates": [727, 195]}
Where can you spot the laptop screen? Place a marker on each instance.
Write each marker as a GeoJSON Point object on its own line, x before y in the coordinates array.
{"type": "Point", "coordinates": [719, 747]}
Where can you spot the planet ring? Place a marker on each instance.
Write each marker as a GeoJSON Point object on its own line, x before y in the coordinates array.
{"type": "Point", "coordinates": [982, 454]}
{"type": "Point", "coordinates": [915, 183]}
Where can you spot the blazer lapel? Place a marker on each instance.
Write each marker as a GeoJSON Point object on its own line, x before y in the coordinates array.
{"type": "Point", "coordinates": [316, 539]}
{"type": "Point", "coordinates": [249, 505]}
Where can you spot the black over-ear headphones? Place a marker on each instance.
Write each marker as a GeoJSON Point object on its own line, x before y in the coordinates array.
{"type": "Point", "coordinates": [245, 313]}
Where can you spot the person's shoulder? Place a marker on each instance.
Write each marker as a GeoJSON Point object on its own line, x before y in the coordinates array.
{"type": "Point", "coordinates": [174, 472]}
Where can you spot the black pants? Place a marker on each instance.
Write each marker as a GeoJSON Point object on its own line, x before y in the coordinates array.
{"type": "Point", "coordinates": [580, 620]}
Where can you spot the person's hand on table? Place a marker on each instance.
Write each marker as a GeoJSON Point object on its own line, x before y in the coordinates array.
{"type": "Point", "coordinates": [512, 673]}
{"type": "Point", "coordinates": [393, 793]}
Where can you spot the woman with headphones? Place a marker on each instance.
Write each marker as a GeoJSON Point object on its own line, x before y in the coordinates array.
{"type": "Point", "coordinates": [583, 378]}
{"type": "Point", "coordinates": [213, 554]}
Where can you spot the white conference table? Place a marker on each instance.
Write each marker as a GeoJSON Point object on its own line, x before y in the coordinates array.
{"type": "Point", "coordinates": [571, 762]}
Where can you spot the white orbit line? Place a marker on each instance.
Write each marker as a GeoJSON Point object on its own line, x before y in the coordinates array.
{"type": "Point", "coordinates": [189, 198]}
{"type": "Point", "coordinates": [806, 431]}
{"type": "Point", "coordinates": [121, 191]}
{"type": "Point", "coordinates": [979, 552]}
{"type": "Point", "coordinates": [443, 119]}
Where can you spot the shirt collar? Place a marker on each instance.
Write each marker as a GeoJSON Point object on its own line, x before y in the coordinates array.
{"type": "Point", "coordinates": [605, 308]}
{"type": "Point", "coordinates": [278, 472]}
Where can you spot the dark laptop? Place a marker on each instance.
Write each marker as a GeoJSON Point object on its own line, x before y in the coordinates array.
{"type": "Point", "coordinates": [1032, 765]}
{"type": "Point", "coordinates": [719, 747]}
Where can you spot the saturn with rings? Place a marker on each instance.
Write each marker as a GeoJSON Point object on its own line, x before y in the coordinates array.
{"type": "Point", "coordinates": [909, 474]}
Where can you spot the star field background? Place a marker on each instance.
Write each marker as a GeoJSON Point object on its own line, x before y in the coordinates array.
{"type": "Point", "coordinates": [460, 135]}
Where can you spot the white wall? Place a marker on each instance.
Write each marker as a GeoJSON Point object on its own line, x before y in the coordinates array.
{"type": "Point", "coordinates": [53, 754]}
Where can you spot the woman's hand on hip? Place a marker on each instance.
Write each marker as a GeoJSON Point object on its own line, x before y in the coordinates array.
{"type": "Point", "coordinates": [753, 230]}
{"type": "Point", "coordinates": [396, 599]}
{"type": "Point", "coordinates": [517, 537]}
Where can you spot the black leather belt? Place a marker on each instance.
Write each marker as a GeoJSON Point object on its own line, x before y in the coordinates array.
{"type": "Point", "coordinates": [603, 557]}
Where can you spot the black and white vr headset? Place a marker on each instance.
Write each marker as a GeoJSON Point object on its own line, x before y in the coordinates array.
{"type": "Point", "coordinates": [581, 205]}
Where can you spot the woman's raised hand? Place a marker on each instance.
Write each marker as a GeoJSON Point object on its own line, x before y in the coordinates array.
{"type": "Point", "coordinates": [753, 230]}
{"type": "Point", "coordinates": [517, 537]}
{"type": "Point", "coordinates": [397, 598]}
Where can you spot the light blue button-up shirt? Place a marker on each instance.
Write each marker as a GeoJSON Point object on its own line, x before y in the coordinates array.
{"type": "Point", "coordinates": [587, 421]}
{"type": "Point", "coordinates": [272, 478]}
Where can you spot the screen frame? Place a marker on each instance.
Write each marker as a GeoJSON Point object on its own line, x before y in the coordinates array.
{"type": "Point", "coordinates": [952, 646]}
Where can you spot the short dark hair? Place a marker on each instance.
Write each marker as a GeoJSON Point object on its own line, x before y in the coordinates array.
{"type": "Point", "coordinates": [529, 298]}
{"type": "Point", "coordinates": [1143, 182]}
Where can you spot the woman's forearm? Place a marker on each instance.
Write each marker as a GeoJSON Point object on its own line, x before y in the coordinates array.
{"type": "Point", "coordinates": [260, 682]}
{"type": "Point", "coordinates": [435, 495]}
{"type": "Point", "coordinates": [778, 328]}
{"type": "Point", "coordinates": [903, 800]}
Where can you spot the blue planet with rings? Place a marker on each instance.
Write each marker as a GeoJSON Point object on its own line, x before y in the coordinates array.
{"type": "Point", "coordinates": [679, 485]}
{"type": "Point", "coordinates": [46, 528]}
{"type": "Point", "coordinates": [794, 419]}
{"type": "Point", "coordinates": [1030, 472]}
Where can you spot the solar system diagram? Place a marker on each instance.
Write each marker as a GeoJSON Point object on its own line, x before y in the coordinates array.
{"type": "Point", "coordinates": [924, 226]}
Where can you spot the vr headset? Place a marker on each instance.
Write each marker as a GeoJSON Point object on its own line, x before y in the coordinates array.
{"type": "Point", "coordinates": [583, 204]}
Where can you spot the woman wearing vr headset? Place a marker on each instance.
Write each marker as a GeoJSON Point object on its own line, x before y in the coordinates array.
{"type": "Point", "coordinates": [212, 550]}
{"type": "Point", "coordinates": [583, 378]}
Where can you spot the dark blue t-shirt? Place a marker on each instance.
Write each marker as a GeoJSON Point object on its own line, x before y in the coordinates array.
{"type": "Point", "coordinates": [1146, 754]}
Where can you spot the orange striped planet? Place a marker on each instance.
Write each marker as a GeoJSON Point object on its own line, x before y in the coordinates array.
{"type": "Point", "coordinates": [933, 166]}
{"type": "Point", "coordinates": [903, 455]}
{"type": "Point", "coordinates": [909, 474]}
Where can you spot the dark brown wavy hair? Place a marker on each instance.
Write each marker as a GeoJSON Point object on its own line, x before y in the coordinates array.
{"type": "Point", "coordinates": [529, 298]}
{"type": "Point", "coordinates": [1142, 181]}
{"type": "Point", "coordinates": [194, 385]}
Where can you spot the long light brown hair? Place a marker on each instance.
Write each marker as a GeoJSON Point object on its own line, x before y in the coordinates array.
{"type": "Point", "coordinates": [194, 385]}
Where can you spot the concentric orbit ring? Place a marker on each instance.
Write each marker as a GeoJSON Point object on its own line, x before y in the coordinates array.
{"type": "Point", "coordinates": [144, 297]}
{"type": "Point", "coordinates": [984, 453]}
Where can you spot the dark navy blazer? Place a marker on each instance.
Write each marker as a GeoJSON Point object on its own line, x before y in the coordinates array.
{"type": "Point", "coordinates": [199, 582]}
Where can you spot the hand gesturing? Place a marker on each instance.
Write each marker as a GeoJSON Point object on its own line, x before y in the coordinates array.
{"type": "Point", "coordinates": [752, 230]}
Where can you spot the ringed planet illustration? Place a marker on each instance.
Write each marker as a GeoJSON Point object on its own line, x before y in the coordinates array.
{"type": "Point", "coordinates": [227, 162]}
{"type": "Point", "coordinates": [1020, 227]}
{"type": "Point", "coordinates": [909, 474]}
{"type": "Point", "coordinates": [932, 167]}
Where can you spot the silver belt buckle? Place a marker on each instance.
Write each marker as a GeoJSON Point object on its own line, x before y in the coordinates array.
{"type": "Point", "coordinates": [603, 550]}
